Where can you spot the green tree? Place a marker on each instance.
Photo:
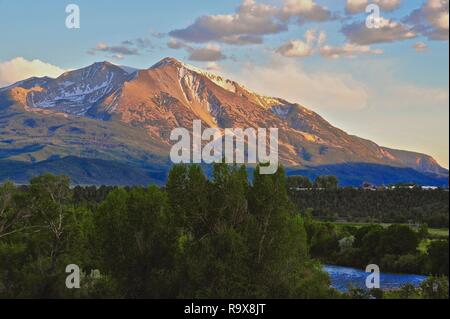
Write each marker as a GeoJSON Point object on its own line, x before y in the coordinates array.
{"type": "Point", "coordinates": [423, 232]}
{"type": "Point", "coordinates": [326, 182]}
{"type": "Point", "coordinates": [187, 189]}
{"type": "Point", "coordinates": [136, 242]}
{"type": "Point", "coordinates": [214, 261]}
{"type": "Point", "coordinates": [435, 288]}
{"type": "Point", "coordinates": [438, 257]}
{"type": "Point", "coordinates": [399, 240]}
{"type": "Point", "coordinates": [12, 216]}
{"type": "Point", "coordinates": [46, 239]}
{"type": "Point", "coordinates": [281, 266]}
{"type": "Point", "coordinates": [294, 182]}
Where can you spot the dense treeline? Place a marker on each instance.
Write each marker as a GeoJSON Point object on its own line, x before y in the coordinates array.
{"type": "Point", "coordinates": [401, 205]}
{"type": "Point", "coordinates": [330, 203]}
{"type": "Point", "coordinates": [394, 248]}
{"type": "Point", "coordinates": [196, 238]}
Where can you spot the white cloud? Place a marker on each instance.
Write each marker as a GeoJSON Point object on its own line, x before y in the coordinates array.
{"type": "Point", "coordinates": [20, 68]}
{"type": "Point", "coordinates": [213, 67]}
{"type": "Point", "coordinates": [322, 38]}
{"type": "Point", "coordinates": [304, 11]}
{"type": "Point", "coordinates": [301, 48]}
{"type": "Point", "coordinates": [122, 49]}
{"type": "Point", "coordinates": [358, 6]}
{"type": "Point", "coordinates": [389, 91]}
{"type": "Point", "coordinates": [415, 96]}
{"type": "Point", "coordinates": [295, 48]}
{"type": "Point", "coordinates": [317, 90]}
{"type": "Point", "coordinates": [176, 44]}
{"type": "Point", "coordinates": [348, 50]}
{"type": "Point", "coordinates": [388, 31]}
{"type": "Point", "coordinates": [315, 43]}
{"type": "Point", "coordinates": [251, 21]}
{"type": "Point", "coordinates": [432, 19]}
{"type": "Point", "coordinates": [347, 89]}
{"type": "Point", "coordinates": [420, 47]}
{"type": "Point", "coordinates": [210, 53]}
{"type": "Point", "coordinates": [118, 56]}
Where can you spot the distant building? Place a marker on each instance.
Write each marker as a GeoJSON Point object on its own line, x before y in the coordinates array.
{"type": "Point", "coordinates": [430, 188]}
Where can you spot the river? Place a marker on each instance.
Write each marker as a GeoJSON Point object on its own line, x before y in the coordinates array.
{"type": "Point", "coordinates": [342, 277]}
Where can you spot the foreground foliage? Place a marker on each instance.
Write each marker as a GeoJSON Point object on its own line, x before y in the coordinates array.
{"type": "Point", "coordinates": [197, 238]}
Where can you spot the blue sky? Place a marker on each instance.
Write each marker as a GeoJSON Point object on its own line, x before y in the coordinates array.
{"type": "Point", "coordinates": [389, 84]}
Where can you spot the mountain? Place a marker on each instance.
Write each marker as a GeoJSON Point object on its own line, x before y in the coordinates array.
{"type": "Point", "coordinates": [123, 115]}
{"type": "Point", "coordinates": [84, 171]}
{"type": "Point", "coordinates": [355, 174]}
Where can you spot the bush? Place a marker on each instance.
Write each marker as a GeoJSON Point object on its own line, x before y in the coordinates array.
{"type": "Point", "coordinates": [435, 288]}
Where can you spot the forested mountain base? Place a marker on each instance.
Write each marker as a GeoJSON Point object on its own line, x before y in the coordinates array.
{"type": "Point", "coordinates": [406, 206]}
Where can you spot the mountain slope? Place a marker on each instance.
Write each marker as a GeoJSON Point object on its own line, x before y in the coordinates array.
{"type": "Point", "coordinates": [356, 174]}
{"type": "Point", "coordinates": [85, 171]}
{"type": "Point", "coordinates": [118, 114]}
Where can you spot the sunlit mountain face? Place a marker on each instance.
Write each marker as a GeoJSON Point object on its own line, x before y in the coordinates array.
{"type": "Point", "coordinates": [124, 116]}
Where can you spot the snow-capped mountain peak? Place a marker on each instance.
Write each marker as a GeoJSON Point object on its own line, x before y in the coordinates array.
{"type": "Point", "coordinates": [172, 94]}
{"type": "Point", "coordinates": [75, 92]}
{"type": "Point", "coordinates": [186, 69]}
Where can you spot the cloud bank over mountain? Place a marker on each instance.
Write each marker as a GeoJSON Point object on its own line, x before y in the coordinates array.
{"type": "Point", "coordinates": [20, 68]}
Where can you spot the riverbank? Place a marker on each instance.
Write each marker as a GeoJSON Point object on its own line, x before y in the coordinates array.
{"type": "Point", "coordinates": [344, 278]}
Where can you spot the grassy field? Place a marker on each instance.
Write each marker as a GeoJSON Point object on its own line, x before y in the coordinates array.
{"type": "Point", "coordinates": [434, 233]}
{"type": "Point", "coordinates": [439, 232]}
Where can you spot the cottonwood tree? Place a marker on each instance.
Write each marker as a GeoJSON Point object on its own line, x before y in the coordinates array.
{"type": "Point", "coordinates": [281, 266]}
{"type": "Point", "coordinates": [48, 199]}
{"type": "Point", "coordinates": [136, 242]}
{"type": "Point", "coordinates": [12, 214]}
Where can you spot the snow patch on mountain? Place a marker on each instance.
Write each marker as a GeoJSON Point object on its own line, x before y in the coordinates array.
{"type": "Point", "coordinates": [281, 110]}
{"type": "Point", "coordinates": [76, 92]}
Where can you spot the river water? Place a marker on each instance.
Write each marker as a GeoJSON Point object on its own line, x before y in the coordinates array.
{"type": "Point", "coordinates": [344, 277]}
